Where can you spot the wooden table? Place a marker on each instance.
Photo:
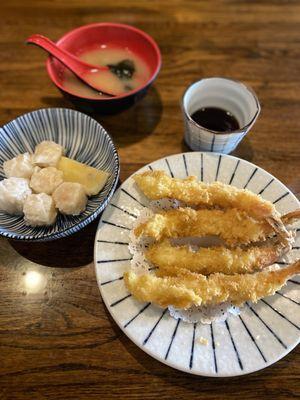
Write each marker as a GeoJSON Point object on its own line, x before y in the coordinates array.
{"type": "Point", "coordinates": [60, 342]}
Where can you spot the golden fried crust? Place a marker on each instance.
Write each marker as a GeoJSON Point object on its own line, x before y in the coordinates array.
{"type": "Point", "coordinates": [232, 225]}
{"type": "Point", "coordinates": [238, 288]}
{"type": "Point", "coordinates": [157, 185]}
{"type": "Point", "coordinates": [145, 288]}
{"type": "Point", "coordinates": [171, 259]}
{"type": "Point", "coordinates": [194, 289]}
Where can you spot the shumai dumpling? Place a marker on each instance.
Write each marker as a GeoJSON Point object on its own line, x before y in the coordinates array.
{"type": "Point", "coordinates": [19, 167]}
{"type": "Point", "coordinates": [46, 180]}
{"type": "Point", "coordinates": [70, 198]}
{"type": "Point", "coordinates": [47, 154]}
{"type": "Point", "coordinates": [39, 210]}
{"type": "Point", "coordinates": [36, 169]}
{"type": "Point", "coordinates": [13, 192]}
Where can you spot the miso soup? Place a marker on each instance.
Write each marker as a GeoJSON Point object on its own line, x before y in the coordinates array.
{"type": "Point", "coordinates": [127, 72]}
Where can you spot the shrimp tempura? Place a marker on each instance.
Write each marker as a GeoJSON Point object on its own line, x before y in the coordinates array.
{"type": "Point", "coordinates": [190, 289]}
{"type": "Point", "coordinates": [171, 259]}
{"type": "Point", "coordinates": [157, 185]}
{"type": "Point", "coordinates": [232, 225]}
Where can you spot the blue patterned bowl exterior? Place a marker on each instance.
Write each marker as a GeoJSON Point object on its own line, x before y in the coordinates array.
{"type": "Point", "coordinates": [84, 140]}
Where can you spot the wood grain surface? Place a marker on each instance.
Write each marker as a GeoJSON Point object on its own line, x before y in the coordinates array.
{"type": "Point", "coordinates": [57, 341]}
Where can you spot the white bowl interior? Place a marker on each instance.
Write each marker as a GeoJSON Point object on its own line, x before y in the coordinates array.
{"type": "Point", "coordinates": [222, 93]}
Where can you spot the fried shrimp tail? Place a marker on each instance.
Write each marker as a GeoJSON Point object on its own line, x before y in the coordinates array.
{"type": "Point", "coordinates": [189, 288]}
{"type": "Point", "coordinates": [157, 185]}
{"type": "Point", "coordinates": [232, 225]}
{"type": "Point", "coordinates": [291, 217]}
{"type": "Point", "coordinates": [172, 259]}
{"type": "Point", "coordinates": [279, 226]}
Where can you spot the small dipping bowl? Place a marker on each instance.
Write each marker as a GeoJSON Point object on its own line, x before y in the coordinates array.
{"type": "Point", "coordinates": [227, 94]}
{"type": "Point", "coordinates": [88, 37]}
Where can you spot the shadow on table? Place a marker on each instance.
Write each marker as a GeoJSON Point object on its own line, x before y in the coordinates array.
{"type": "Point", "coordinates": [58, 101]}
{"type": "Point", "coordinates": [244, 149]}
{"type": "Point", "coordinates": [73, 251]}
{"type": "Point", "coordinates": [135, 123]}
{"type": "Point", "coordinates": [128, 126]}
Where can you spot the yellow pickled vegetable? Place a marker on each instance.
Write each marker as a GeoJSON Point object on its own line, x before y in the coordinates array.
{"type": "Point", "coordinates": [91, 179]}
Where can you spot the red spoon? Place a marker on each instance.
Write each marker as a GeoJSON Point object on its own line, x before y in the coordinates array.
{"type": "Point", "coordinates": [84, 71]}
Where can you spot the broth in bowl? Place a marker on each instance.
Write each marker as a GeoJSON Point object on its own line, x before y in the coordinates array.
{"type": "Point", "coordinates": [127, 72]}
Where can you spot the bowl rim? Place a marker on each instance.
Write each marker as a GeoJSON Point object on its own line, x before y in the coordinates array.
{"type": "Point", "coordinates": [235, 132]}
{"type": "Point", "coordinates": [50, 68]}
{"type": "Point", "coordinates": [89, 218]}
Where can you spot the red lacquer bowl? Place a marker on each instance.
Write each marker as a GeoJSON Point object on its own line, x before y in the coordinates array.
{"type": "Point", "coordinates": [87, 37]}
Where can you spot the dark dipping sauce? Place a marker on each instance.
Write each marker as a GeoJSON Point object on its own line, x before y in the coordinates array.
{"type": "Point", "coordinates": [216, 119]}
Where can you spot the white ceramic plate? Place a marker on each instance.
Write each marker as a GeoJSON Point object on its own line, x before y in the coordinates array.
{"type": "Point", "coordinates": [261, 335]}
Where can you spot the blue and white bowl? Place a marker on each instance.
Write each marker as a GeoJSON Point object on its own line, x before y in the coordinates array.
{"type": "Point", "coordinates": [84, 139]}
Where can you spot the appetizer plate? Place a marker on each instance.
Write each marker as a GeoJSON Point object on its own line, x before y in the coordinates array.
{"type": "Point", "coordinates": [84, 140]}
{"type": "Point", "coordinates": [262, 334]}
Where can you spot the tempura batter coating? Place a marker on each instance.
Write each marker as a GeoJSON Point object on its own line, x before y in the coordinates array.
{"type": "Point", "coordinates": [157, 185]}
{"type": "Point", "coordinates": [171, 259]}
{"type": "Point", "coordinates": [189, 289]}
{"type": "Point", "coordinates": [232, 225]}
{"type": "Point", "coordinates": [160, 291]}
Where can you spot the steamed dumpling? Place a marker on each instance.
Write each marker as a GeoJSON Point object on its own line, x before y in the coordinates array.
{"type": "Point", "coordinates": [39, 210]}
{"type": "Point", "coordinates": [46, 180]}
{"type": "Point", "coordinates": [47, 154]}
{"type": "Point", "coordinates": [36, 169]}
{"type": "Point", "coordinates": [13, 192]}
{"type": "Point", "coordinates": [70, 198]}
{"type": "Point", "coordinates": [19, 167]}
